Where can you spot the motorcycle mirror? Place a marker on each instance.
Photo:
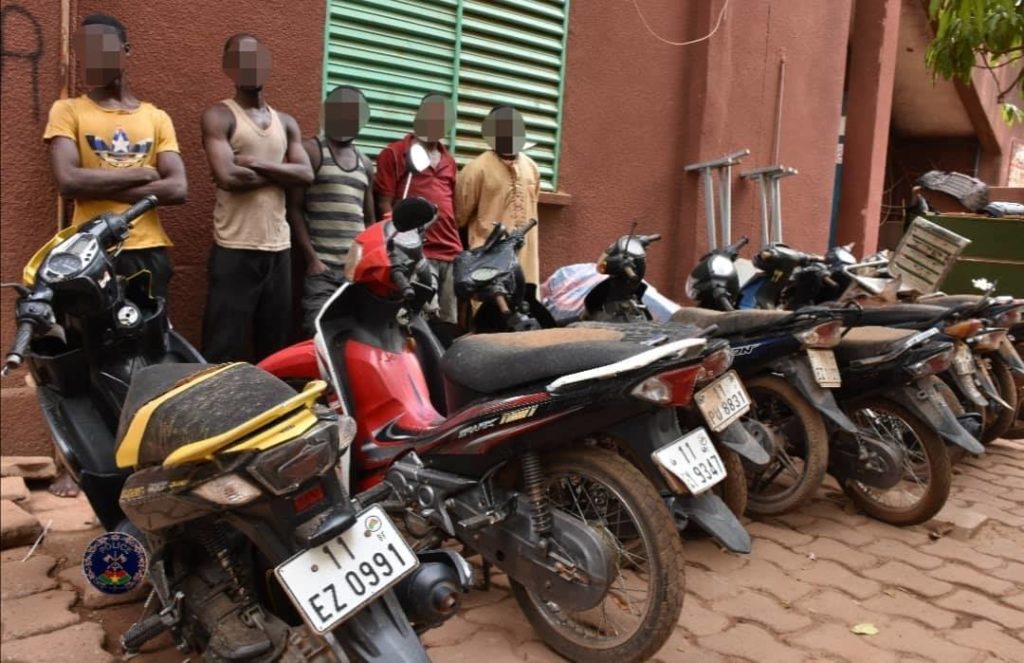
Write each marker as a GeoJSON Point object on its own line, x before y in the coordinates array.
{"type": "Point", "coordinates": [416, 159]}
{"type": "Point", "coordinates": [412, 213]}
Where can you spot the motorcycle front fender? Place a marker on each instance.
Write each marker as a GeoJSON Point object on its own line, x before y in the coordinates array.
{"type": "Point", "coordinates": [1010, 357]}
{"type": "Point", "coordinates": [738, 439]}
{"type": "Point", "coordinates": [380, 632]}
{"type": "Point", "coordinates": [922, 399]}
{"type": "Point", "coordinates": [988, 387]}
{"type": "Point", "coordinates": [797, 369]}
{"type": "Point", "coordinates": [714, 517]}
{"type": "Point", "coordinates": [965, 384]}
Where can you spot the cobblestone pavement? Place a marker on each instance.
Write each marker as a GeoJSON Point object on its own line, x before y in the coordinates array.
{"type": "Point", "coordinates": [951, 590]}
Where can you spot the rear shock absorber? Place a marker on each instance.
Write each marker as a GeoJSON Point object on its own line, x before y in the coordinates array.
{"type": "Point", "coordinates": [533, 485]}
{"type": "Point", "coordinates": [215, 542]}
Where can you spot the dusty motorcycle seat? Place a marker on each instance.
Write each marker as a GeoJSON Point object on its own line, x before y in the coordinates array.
{"type": "Point", "coordinates": [489, 363]}
{"type": "Point", "coordinates": [898, 314]}
{"type": "Point", "coordinates": [729, 322]}
{"type": "Point", "coordinates": [864, 342]}
{"type": "Point", "coordinates": [196, 402]}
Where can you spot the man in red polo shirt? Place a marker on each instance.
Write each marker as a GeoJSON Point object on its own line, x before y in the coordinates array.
{"type": "Point", "coordinates": [437, 184]}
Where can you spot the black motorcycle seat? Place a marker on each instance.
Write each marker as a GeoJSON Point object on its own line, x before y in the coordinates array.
{"type": "Point", "coordinates": [207, 408]}
{"type": "Point", "coordinates": [490, 363]}
{"type": "Point", "coordinates": [864, 342]}
{"type": "Point", "coordinates": [729, 322]}
{"type": "Point", "coordinates": [898, 314]}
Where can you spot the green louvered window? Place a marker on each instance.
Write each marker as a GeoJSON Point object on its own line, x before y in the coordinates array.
{"type": "Point", "coordinates": [481, 52]}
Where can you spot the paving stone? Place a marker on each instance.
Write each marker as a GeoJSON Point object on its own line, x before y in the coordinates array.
{"type": "Point", "coordinates": [75, 517]}
{"type": "Point", "coordinates": [908, 637]}
{"type": "Point", "coordinates": [1013, 572]}
{"type": "Point", "coordinates": [754, 607]}
{"type": "Point", "coordinates": [753, 643]}
{"type": "Point", "coordinates": [82, 643]}
{"type": "Point", "coordinates": [892, 549]}
{"type": "Point", "coordinates": [839, 641]}
{"type": "Point", "coordinates": [94, 598]}
{"type": "Point", "coordinates": [1003, 516]}
{"type": "Point", "coordinates": [759, 574]}
{"type": "Point", "coordinates": [876, 529]}
{"type": "Point", "coordinates": [957, 550]}
{"type": "Point", "coordinates": [797, 520]}
{"type": "Point", "coordinates": [964, 521]}
{"type": "Point", "coordinates": [965, 575]}
{"type": "Point", "coordinates": [28, 467]}
{"type": "Point", "coordinates": [700, 621]}
{"type": "Point", "coordinates": [978, 604]}
{"type": "Point", "coordinates": [32, 576]}
{"type": "Point", "coordinates": [830, 604]}
{"type": "Point", "coordinates": [1017, 600]}
{"type": "Point", "coordinates": [837, 551]}
{"type": "Point", "coordinates": [17, 526]}
{"type": "Point", "coordinates": [484, 645]}
{"type": "Point", "coordinates": [1000, 547]}
{"type": "Point", "coordinates": [706, 554]}
{"type": "Point", "coordinates": [898, 574]}
{"type": "Point", "coordinates": [784, 558]}
{"type": "Point", "coordinates": [824, 573]}
{"type": "Point", "coordinates": [986, 636]}
{"type": "Point", "coordinates": [973, 495]}
{"type": "Point", "coordinates": [537, 652]}
{"type": "Point", "coordinates": [849, 535]}
{"type": "Point", "coordinates": [37, 613]}
{"type": "Point", "coordinates": [681, 648]}
{"type": "Point", "coordinates": [43, 500]}
{"type": "Point", "coordinates": [895, 602]}
{"type": "Point", "coordinates": [14, 489]}
{"type": "Point", "coordinates": [833, 511]}
{"type": "Point", "coordinates": [782, 535]}
{"type": "Point", "coordinates": [454, 631]}
{"type": "Point", "coordinates": [709, 586]}
{"type": "Point", "coordinates": [504, 616]}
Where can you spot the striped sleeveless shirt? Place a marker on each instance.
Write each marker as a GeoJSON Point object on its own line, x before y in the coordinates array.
{"type": "Point", "coordinates": [333, 206]}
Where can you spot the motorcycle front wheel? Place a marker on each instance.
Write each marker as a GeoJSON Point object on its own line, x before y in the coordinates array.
{"type": "Point", "coordinates": [998, 424]}
{"type": "Point", "coordinates": [643, 604]}
{"type": "Point", "coordinates": [926, 474]}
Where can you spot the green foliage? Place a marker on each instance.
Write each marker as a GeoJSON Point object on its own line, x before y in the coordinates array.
{"type": "Point", "coordinates": [985, 33]}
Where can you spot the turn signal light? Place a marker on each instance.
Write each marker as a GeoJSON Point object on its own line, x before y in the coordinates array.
{"type": "Point", "coordinates": [825, 335]}
{"type": "Point", "coordinates": [987, 342]}
{"type": "Point", "coordinates": [964, 329]}
{"type": "Point", "coordinates": [936, 363]}
{"type": "Point", "coordinates": [674, 388]}
{"type": "Point", "coordinates": [715, 364]}
{"type": "Point", "coordinates": [229, 490]}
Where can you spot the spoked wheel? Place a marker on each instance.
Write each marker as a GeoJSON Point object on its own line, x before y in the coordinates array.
{"type": "Point", "coordinates": [798, 444]}
{"type": "Point", "coordinates": [1000, 419]}
{"type": "Point", "coordinates": [643, 604]}
{"type": "Point", "coordinates": [925, 474]}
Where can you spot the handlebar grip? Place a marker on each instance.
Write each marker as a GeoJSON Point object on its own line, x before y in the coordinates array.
{"type": "Point", "coordinates": [526, 227]}
{"type": "Point", "coordinates": [630, 273]}
{"type": "Point", "coordinates": [139, 208]}
{"type": "Point", "coordinates": [743, 241]}
{"type": "Point", "coordinates": [401, 282]}
{"type": "Point", "coordinates": [21, 340]}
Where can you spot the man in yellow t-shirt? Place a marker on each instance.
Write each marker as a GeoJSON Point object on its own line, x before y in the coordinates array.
{"type": "Point", "coordinates": [109, 150]}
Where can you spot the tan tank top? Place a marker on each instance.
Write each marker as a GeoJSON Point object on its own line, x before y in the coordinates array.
{"type": "Point", "coordinates": [253, 219]}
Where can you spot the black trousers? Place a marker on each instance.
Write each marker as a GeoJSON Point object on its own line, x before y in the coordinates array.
{"type": "Point", "coordinates": [248, 309]}
{"type": "Point", "coordinates": [155, 261]}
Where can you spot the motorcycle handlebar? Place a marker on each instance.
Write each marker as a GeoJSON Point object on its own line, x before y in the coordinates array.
{"type": "Point", "coordinates": [521, 231]}
{"type": "Point", "coordinates": [401, 282]}
{"type": "Point", "coordinates": [630, 273]}
{"type": "Point", "coordinates": [20, 345]}
{"type": "Point", "coordinates": [138, 209]}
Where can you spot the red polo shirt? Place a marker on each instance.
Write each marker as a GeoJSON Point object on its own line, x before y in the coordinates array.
{"type": "Point", "coordinates": [436, 184]}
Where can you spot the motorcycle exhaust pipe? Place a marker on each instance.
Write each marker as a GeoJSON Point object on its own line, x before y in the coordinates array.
{"type": "Point", "coordinates": [433, 592]}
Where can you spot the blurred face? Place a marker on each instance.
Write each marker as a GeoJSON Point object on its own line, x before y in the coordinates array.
{"type": "Point", "coordinates": [505, 131]}
{"type": "Point", "coordinates": [247, 63]}
{"type": "Point", "coordinates": [101, 54]}
{"type": "Point", "coordinates": [434, 119]}
{"type": "Point", "coordinates": [345, 114]}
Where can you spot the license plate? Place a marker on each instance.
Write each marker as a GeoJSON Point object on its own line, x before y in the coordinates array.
{"type": "Point", "coordinates": [333, 581]}
{"type": "Point", "coordinates": [963, 360]}
{"type": "Point", "coordinates": [693, 459]}
{"type": "Point", "coordinates": [723, 401]}
{"type": "Point", "coordinates": [826, 371]}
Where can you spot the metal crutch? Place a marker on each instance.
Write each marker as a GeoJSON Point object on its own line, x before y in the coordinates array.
{"type": "Point", "coordinates": [724, 167]}
{"type": "Point", "coordinates": [768, 179]}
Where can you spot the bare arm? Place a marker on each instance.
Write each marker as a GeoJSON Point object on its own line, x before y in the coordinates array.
{"type": "Point", "coordinates": [170, 189]}
{"type": "Point", "coordinates": [297, 218]}
{"type": "Point", "coordinates": [369, 213]}
{"type": "Point", "coordinates": [92, 183]}
{"type": "Point", "coordinates": [295, 170]}
{"type": "Point", "coordinates": [226, 173]}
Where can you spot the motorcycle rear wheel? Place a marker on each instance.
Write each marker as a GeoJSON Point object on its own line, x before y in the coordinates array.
{"type": "Point", "coordinates": [997, 426]}
{"type": "Point", "coordinates": [585, 482]}
{"type": "Point", "coordinates": [732, 489]}
{"type": "Point", "coordinates": [925, 453]}
{"type": "Point", "coordinates": [800, 460]}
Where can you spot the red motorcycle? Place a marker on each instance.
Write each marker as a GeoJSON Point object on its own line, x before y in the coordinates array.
{"type": "Point", "coordinates": [529, 467]}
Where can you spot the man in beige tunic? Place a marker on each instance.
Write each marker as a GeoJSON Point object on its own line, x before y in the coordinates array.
{"type": "Point", "coordinates": [502, 185]}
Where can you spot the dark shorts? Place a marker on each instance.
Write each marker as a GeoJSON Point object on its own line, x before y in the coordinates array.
{"type": "Point", "coordinates": [316, 290]}
{"type": "Point", "coordinates": [447, 303]}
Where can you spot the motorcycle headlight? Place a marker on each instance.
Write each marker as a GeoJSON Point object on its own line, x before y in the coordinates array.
{"type": "Point", "coordinates": [484, 274]}
{"type": "Point", "coordinates": [284, 468]}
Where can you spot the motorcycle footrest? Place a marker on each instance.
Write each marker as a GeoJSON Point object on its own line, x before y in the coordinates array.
{"type": "Point", "coordinates": [142, 632]}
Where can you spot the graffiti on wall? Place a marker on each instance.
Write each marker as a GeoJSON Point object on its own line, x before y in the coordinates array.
{"type": "Point", "coordinates": [21, 40]}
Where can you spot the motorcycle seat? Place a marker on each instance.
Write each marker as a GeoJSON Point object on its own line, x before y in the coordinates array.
{"type": "Point", "coordinates": [193, 402]}
{"type": "Point", "coordinates": [950, 300]}
{"type": "Point", "coordinates": [864, 342]}
{"type": "Point", "coordinates": [905, 315]}
{"type": "Point", "coordinates": [729, 322]}
{"type": "Point", "coordinates": [491, 363]}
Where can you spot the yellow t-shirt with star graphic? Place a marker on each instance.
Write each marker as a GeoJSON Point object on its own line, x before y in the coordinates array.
{"type": "Point", "coordinates": [115, 138]}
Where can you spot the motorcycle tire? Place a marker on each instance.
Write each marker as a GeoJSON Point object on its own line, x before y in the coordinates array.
{"type": "Point", "coordinates": [764, 389]}
{"type": "Point", "coordinates": [997, 426]}
{"type": "Point", "coordinates": [732, 489]}
{"type": "Point", "coordinates": [933, 449]}
{"type": "Point", "coordinates": [657, 531]}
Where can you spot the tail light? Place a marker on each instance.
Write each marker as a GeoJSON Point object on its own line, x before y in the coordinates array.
{"type": "Point", "coordinates": [988, 341]}
{"type": "Point", "coordinates": [936, 363]}
{"type": "Point", "coordinates": [674, 388]}
{"type": "Point", "coordinates": [1009, 318]}
{"type": "Point", "coordinates": [715, 364]}
{"type": "Point", "coordinates": [229, 490]}
{"type": "Point", "coordinates": [825, 335]}
{"type": "Point", "coordinates": [964, 329]}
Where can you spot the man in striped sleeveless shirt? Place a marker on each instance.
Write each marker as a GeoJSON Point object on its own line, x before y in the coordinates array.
{"type": "Point", "coordinates": [327, 215]}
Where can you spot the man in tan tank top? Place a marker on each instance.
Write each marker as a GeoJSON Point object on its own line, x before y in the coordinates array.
{"type": "Point", "coordinates": [255, 153]}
